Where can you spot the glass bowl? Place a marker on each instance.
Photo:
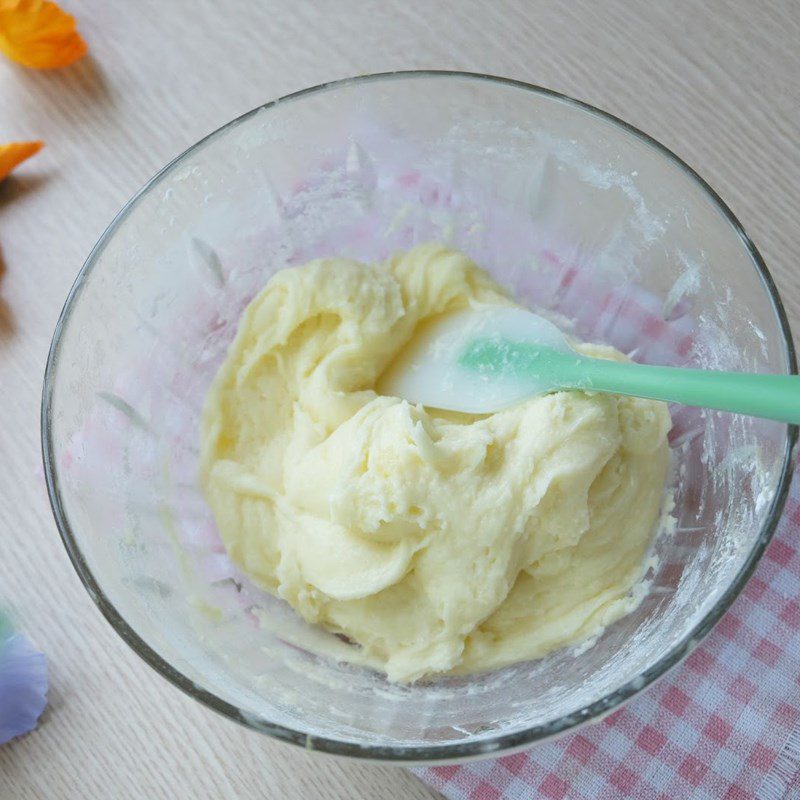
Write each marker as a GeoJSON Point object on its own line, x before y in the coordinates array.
{"type": "Point", "coordinates": [575, 212]}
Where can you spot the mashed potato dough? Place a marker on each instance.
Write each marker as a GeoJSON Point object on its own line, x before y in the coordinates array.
{"type": "Point", "coordinates": [435, 542]}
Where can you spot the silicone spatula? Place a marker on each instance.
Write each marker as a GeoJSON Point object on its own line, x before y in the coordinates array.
{"type": "Point", "coordinates": [483, 360]}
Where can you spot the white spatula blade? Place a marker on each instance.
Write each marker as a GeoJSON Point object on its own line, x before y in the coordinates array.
{"type": "Point", "coordinates": [428, 371]}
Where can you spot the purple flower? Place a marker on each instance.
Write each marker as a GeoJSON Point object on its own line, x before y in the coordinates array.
{"type": "Point", "coordinates": [23, 684]}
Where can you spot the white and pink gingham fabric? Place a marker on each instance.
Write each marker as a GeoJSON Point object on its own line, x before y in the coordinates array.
{"type": "Point", "coordinates": [723, 725]}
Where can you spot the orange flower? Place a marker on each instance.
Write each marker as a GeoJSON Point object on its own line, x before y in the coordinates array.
{"type": "Point", "coordinates": [15, 153]}
{"type": "Point", "coordinates": [38, 34]}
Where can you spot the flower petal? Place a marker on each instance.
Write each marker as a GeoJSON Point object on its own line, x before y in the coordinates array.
{"type": "Point", "coordinates": [38, 34]}
{"type": "Point", "coordinates": [15, 153]}
{"type": "Point", "coordinates": [23, 687]}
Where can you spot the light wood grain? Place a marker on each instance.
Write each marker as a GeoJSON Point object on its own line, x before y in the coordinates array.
{"type": "Point", "coordinates": [718, 82]}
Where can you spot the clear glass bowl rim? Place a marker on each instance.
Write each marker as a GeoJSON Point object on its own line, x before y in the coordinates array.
{"type": "Point", "coordinates": [422, 754]}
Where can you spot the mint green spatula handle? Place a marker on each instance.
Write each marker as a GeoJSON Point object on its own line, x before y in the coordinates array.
{"type": "Point", "coordinates": [770, 396]}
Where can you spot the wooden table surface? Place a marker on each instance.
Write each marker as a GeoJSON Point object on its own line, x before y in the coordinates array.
{"type": "Point", "coordinates": [717, 82]}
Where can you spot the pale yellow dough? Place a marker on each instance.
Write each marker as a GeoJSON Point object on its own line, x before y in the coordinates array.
{"type": "Point", "coordinates": [435, 542]}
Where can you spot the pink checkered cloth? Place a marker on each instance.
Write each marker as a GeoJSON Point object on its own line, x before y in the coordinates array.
{"type": "Point", "coordinates": [724, 725]}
